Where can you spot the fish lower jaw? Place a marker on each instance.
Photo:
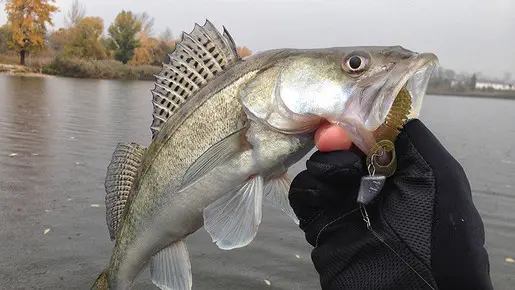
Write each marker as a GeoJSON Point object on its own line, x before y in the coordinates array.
{"type": "Point", "coordinates": [358, 134]}
{"type": "Point", "coordinates": [386, 126]}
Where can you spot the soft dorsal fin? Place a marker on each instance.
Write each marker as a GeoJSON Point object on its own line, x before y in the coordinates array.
{"type": "Point", "coordinates": [197, 59]}
{"type": "Point", "coordinates": [120, 176]}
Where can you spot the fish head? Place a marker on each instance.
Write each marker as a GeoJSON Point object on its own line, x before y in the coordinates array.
{"type": "Point", "coordinates": [354, 87]}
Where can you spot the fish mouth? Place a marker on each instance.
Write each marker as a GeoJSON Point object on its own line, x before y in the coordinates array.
{"type": "Point", "coordinates": [413, 75]}
{"type": "Point", "coordinates": [414, 78]}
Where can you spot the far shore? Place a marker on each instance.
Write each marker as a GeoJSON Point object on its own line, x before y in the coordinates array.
{"type": "Point", "coordinates": [19, 70]}
{"type": "Point", "coordinates": [15, 70]}
{"type": "Point", "coordinates": [474, 94]}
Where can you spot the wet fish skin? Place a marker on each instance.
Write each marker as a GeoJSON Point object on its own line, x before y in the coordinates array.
{"type": "Point", "coordinates": [267, 107]}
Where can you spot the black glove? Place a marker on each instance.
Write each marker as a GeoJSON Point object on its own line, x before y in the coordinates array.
{"type": "Point", "coordinates": [433, 235]}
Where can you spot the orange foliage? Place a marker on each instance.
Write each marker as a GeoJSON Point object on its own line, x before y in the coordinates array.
{"type": "Point", "coordinates": [152, 51]}
{"type": "Point", "coordinates": [84, 39]}
{"type": "Point", "coordinates": [243, 51]}
{"type": "Point", "coordinates": [145, 53]}
{"type": "Point", "coordinates": [58, 39]}
{"type": "Point", "coordinates": [27, 20]}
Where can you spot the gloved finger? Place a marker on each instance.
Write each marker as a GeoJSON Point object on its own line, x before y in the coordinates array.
{"type": "Point", "coordinates": [312, 199]}
{"type": "Point", "coordinates": [331, 182]}
{"type": "Point", "coordinates": [337, 166]}
{"type": "Point", "coordinates": [305, 197]}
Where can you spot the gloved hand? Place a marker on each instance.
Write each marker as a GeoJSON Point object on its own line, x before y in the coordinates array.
{"type": "Point", "coordinates": [433, 233]}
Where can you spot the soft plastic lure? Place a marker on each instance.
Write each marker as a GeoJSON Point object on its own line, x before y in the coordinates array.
{"type": "Point", "coordinates": [386, 134]}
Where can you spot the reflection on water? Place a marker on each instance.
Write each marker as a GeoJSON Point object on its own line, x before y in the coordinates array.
{"type": "Point", "coordinates": [56, 139]}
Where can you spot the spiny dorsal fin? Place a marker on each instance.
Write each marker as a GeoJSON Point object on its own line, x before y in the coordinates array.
{"type": "Point", "coordinates": [118, 183]}
{"type": "Point", "coordinates": [197, 58]}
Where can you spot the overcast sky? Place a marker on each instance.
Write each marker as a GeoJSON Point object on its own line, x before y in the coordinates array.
{"type": "Point", "coordinates": [467, 35]}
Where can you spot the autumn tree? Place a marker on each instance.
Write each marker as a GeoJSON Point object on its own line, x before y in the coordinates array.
{"type": "Point", "coordinates": [27, 20]}
{"type": "Point", "coordinates": [85, 39]}
{"type": "Point", "coordinates": [167, 43]}
{"type": "Point", "coordinates": [108, 44]}
{"type": "Point", "coordinates": [243, 51]}
{"type": "Point", "coordinates": [123, 34]}
{"type": "Point", "coordinates": [152, 50]}
{"type": "Point", "coordinates": [145, 53]}
{"type": "Point", "coordinates": [58, 39]}
{"type": "Point", "coordinates": [167, 47]}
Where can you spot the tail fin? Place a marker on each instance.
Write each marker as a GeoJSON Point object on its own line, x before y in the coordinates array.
{"type": "Point", "coordinates": [101, 282]}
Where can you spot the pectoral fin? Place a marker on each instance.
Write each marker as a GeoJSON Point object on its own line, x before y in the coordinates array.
{"type": "Point", "coordinates": [276, 190]}
{"type": "Point", "coordinates": [233, 220]}
{"type": "Point", "coordinates": [171, 269]}
{"type": "Point", "coordinates": [214, 156]}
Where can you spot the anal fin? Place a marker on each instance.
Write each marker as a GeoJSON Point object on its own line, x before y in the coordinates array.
{"type": "Point", "coordinates": [276, 190]}
{"type": "Point", "coordinates": [171, 269]}
{"type": "Point", "coordinates": [233, 220]}
{"type": "Point", "coordinates": [120, 176]}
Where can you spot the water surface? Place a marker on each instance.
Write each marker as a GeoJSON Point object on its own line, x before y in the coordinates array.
{"type": "Point", "coordinates": [56, 140]}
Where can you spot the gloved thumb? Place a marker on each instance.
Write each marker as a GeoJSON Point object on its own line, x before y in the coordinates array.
{"type": "Point", "coordinates": [337, 166]}
{"type": "Point", "coordinates": [331, 181]}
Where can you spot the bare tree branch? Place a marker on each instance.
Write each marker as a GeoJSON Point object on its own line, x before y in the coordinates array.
{"type": "Point", "coordinates": [75, 14]}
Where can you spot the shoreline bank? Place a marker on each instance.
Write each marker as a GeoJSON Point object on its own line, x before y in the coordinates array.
{"type": "Point", "coordinates": [18, 70]}
{"type": "Point", "coordinates": [83, 69]}
{"type": "Point", "coordinates": [133, 73]}
{"type": "Point", "coordinates": [474, 94]}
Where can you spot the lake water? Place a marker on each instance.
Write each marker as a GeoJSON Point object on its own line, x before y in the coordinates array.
{"type": "Point", "coordinates": [56, 140]}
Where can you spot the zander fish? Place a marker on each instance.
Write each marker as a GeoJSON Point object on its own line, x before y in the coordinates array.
{"type": "Point", "coordinates": [225, 131]}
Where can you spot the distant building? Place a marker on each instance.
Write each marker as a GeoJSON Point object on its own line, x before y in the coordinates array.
{"type": "Point", "coordinates": [495, 85]}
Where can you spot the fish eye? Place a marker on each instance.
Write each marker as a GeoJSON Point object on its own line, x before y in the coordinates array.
{"type": "Point", "coordinates": [355, 63]}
